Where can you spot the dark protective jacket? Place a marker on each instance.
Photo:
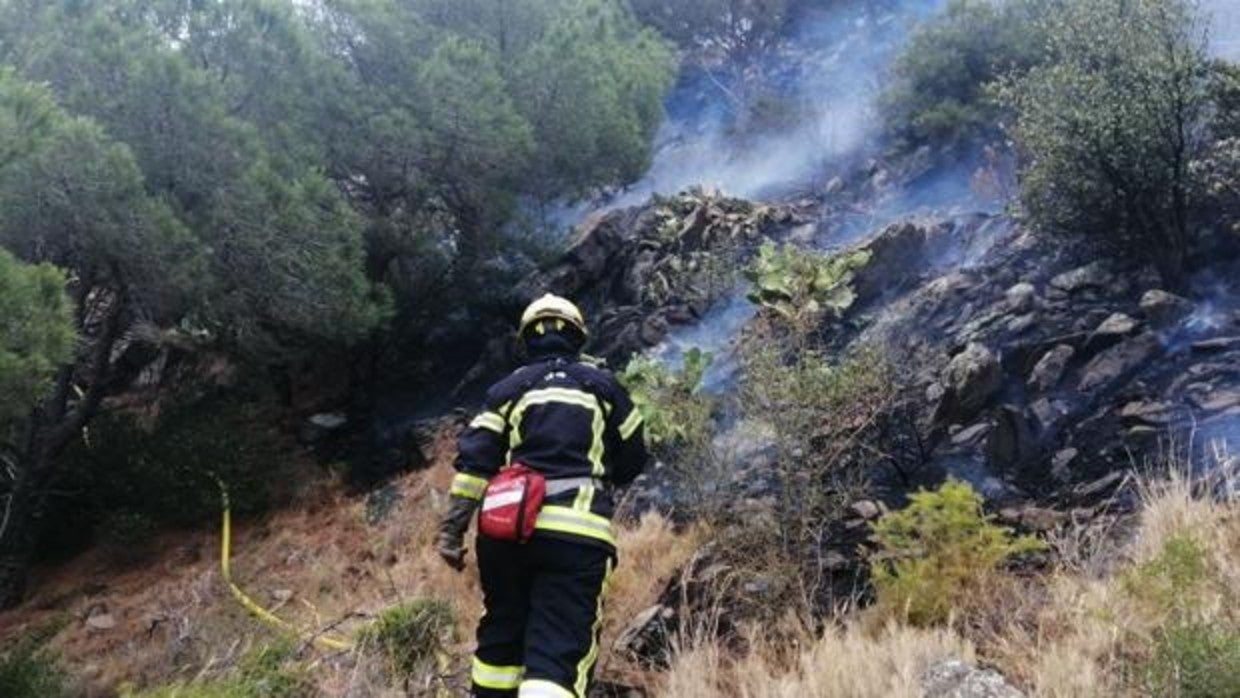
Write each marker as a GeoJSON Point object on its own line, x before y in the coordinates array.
{"type": "Point", "coordinates": [570, 421]}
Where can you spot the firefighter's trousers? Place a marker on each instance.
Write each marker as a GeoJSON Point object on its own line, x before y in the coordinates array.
{"type": "Point", "coordinates": [544, 606]}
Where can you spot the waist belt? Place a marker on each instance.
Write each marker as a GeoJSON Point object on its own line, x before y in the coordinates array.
{"type": "Point", "coordinates": [568, 484]}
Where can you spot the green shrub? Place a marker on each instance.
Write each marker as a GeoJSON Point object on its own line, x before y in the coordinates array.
{"type": "Point", "coordinates": [675, 411]}
{"type": "Point", "coordinates": [939, 552]}
{"type": "Point", "coordinates": [412, 636]}
{"type": "Point", "coordinates": [1195, 660]}
{"type": "Point", "coordinates": [940, 93]}
{"type": "Point", "coordinates": [131, 479]}
{"type": "Point", "coordinates": [1194, 653]}
{"type": "Point", "coordinates": [821, 419]}
{"type": "Point", "coordinates": [1110, 124]}
{"type": "Point", "coordinates": [802, 286]}
{"type": "Point", "coordinates": [1173, 582]}
{"type": "Point", "coordinates": [265, 672]}
{"type": "Point", "coordinates": [28, 670]}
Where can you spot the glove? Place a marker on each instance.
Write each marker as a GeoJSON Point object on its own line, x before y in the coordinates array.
{"type": "Point", "coordinates": [450, 543]}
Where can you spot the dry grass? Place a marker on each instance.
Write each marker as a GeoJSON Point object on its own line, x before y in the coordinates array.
{"type": "Point", "coordinates": [847, 663]}
{"type": "Point", "coordinates": [1075, 632]}
{"type": "Point", "coordinates": [1065, 634]}
{"type": "Point", "coordinates": [322, 567]}
{"type": "Point", "coordinates": [1092, 626]}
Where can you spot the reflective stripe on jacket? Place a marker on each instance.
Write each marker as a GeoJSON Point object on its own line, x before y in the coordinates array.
{"type": "Point", "coordinates": [566, 420]}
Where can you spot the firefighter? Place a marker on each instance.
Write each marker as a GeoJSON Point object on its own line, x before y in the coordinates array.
{"type": "Point", "coordinates": [575, 425]}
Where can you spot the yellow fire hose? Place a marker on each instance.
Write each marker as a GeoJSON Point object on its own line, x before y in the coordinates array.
{"type": "Point", "coordinates": [323, 640]}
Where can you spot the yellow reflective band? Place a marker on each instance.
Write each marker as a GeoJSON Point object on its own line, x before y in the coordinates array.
{"type": "Point", "coordinates": [537, 688]}
{"type": "Point", "coordinates": [630, 424]}
{"type": "Point", "coordinates": [567, 396]}
{"type": "Point", "coordinates": [468, 486]}
{"type": "Point", "coordinates": [489, 421]}
{"type": "Point", "coordinates": [587, 662]}
{"type": "Point", "coordinates": [499, 678]}
{"type": "Point", "coordinates": [585, 498]}
{"type": "Point", "coordinates": [579, 523]}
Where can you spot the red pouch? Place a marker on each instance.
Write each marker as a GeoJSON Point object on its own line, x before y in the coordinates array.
{"type": "Point", "coordinates": [511, 504]}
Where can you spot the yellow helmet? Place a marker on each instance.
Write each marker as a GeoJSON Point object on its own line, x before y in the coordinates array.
{"type": "Point", "coordinates": [550, 307]}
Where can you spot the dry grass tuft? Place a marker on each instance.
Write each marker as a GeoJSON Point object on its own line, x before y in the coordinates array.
{"type": "Point", "coordinates": [1092, 630]}
{"type": "Point", "coordinates": [846, 663]}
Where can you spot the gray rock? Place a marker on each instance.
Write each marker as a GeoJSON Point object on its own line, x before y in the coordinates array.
{"type": "Point", "coordinates": [970, 435]}
{"type": "Point", "coordinates": [956, 679]}
{"type": "Point", "coordinates": [1061, 464]}
{"type": "Point", "coordinates": [1089, 276]}
{"type": "Point", "coordinates": [1218, 400]}
{"type": "Point", "coordinates": [1217, 344]}
{"type": "Point", "coordinates": [101, 621]}
{"type": "Point", "coordinates": [866, 509]}
{"type": "Point", "coordinates": [1049, 370]}
{"type": "Point", "coordinates": [1048, 414]}
{"type": "Point", "coordinates": [1021, 298]}
{"type": "Point", "coordinates": [1148, 413]}
{"type": "Point", "coordinates": [1165, 309]}
{"type": "Point", "coordinates": [1010, 444]}
{"type": "Point", "coordinates": [973, 377]}
{"type": "Point", "coordinates": [1022, 323]}
{"type": "Point", "coordinates": [1118, 361]}
{"type": "Point", "coordinates": [1118, 324]}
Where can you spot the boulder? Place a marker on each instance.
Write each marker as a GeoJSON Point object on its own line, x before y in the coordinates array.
{"type": "Point", "coordinates": [897, 257]}
{"type": "Point", "coordinates": [971, 435]}
{"type": "Point", "coordinates": [1011, 443]}
{"type": "Point", "coordinates": [1033, 518]}
{"type": "Point", "coordinates": [1049, 370]}
{"type": "Point", "coordinates": [1021, 298]}
{"type": "Point", "coordinates": [1218, 400]}
{"type": "Point", "coordinates": [1118, 361]}
{"type": "Point", "coordinates": [973, 377]}
{"type": "Point", "coordinates": [956, 679]}
{"type": "Point", "coordinates": [866, 509]}
{"type": "Point", "coordinates": [1164, 309]}
{"type": "Point", "coordinates": [1117, 324]}
{"type": "Point", "coordinates": [1149, 413]}
{"type": "Point", "coordinates": [1093, 276]}
{"type": "Point", "coordinates": [1048, 415]}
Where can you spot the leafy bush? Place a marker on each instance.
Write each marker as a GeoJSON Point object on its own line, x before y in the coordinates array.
{"type": "Point", "coordinates": [940, 95]}
{"type": "Point", "coordinates": [1110, 123]}
{"type": "Point", "coordinates": [412, 636]}
{"type": "Point", "coordinates": [803, 286]}
{"type": "Point", "coordinates": [823, 421]}
{"type": "Point", "coordinates": [32, 348]}
{"type": "Point", "coordinates": [1195, 652]}
{"type": "Point", "coordinates": [1195, 660]}
{"type": "Point", "coordinates": [675, 412]}
{"type": "Point", "coordinates": [28, 670]}
{"type": "Point", "coordinates": [1216, 170]}
{"type": "Point", "coordinates": [264, 672]}
{"type": "Point", "coordinates": [127, 476]}
{"type": "Point", "coordinates": [938, 552]}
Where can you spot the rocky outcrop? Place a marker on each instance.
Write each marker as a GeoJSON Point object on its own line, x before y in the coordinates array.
{"type": "Point", "coordinates": [972, 378]}
{"type": "Point", "coordinates": [640, 272]}
{"type": "Point", "coordinates": [1164, 309]}
{"type": "Point", "coordinates": [956, 679]}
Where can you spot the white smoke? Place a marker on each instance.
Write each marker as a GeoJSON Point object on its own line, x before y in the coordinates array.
{"type": "Point", "coordinates": [832, 69]}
